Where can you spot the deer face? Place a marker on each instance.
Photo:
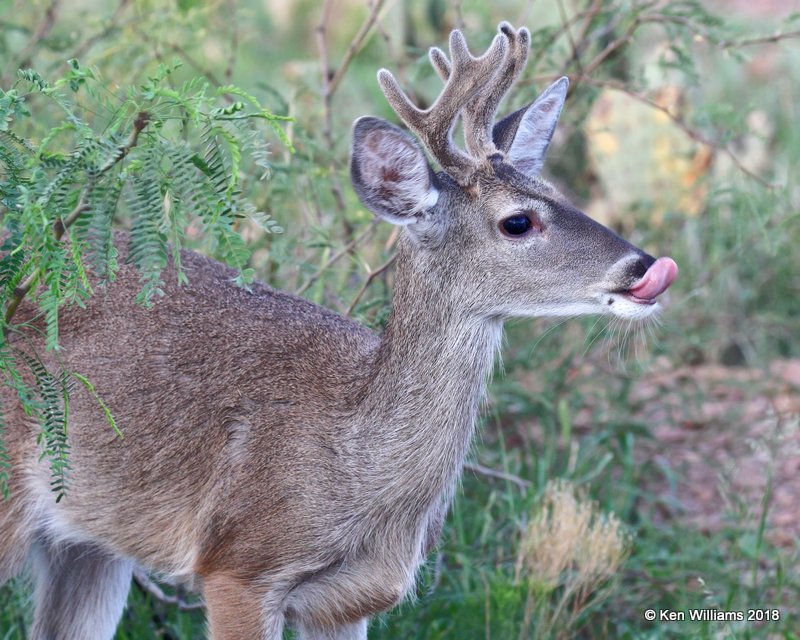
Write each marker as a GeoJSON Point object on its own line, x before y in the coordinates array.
{"type": "Point", "coordinates": [512, 245]}
{"type": "Point", "coordinates": [538, 255]}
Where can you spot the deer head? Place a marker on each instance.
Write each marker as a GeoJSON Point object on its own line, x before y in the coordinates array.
{"type": "Point", "coordinates": [508, 241]}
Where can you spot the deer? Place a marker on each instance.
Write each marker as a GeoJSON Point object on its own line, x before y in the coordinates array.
{"type": "Point", "coordinates": [286, 461]}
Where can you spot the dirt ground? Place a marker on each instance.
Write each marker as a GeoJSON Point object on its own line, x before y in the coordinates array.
{"type": "Point", "coordinates": [727, 432]}
{"type": "Point", "coordinates": [729, 435]}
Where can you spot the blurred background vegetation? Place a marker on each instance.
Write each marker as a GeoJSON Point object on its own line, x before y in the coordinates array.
{"type": "Point", "coordinates": [676, 449]}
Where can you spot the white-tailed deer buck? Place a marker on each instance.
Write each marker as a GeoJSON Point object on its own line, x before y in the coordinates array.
{"type": "Point", "coordinates": [291, 463]}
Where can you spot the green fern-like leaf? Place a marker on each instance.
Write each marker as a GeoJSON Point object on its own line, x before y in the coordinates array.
{"type": "Point", "coordinates": [13, 261]}
{"type": "Point", "coordinates": [50, 295]}
{"type": "Point", "coordinates": [97, 222]}
{"type": "Point", "coordinates": [56, 192]}
{"type": "Point", "coordinates": [106, 411]}
{"type": "Point", "coordinates": [15, 156]}
{"type": "Point", "coordinates": [5, 458]}
{"type": "Point", "coordinates": [147, 242]}
{"type": "Point", "coordinates": [53, 410]}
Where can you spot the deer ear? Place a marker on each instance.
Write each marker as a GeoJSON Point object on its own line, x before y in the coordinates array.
{"type": "Point", "coordinates": [525, 134]}
{"type": "Point", "coordinates": [390, 173]}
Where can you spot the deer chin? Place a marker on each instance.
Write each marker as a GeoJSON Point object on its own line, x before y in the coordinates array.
{"type": "Point", "coordinates": [623, 305]}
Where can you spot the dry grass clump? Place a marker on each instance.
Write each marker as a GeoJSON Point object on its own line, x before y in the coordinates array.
{"type": "Point", "coordinates": [568, 555]}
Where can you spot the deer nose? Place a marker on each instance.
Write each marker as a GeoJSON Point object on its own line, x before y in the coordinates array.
{"type": "Point", "coordinates": [640, 267]}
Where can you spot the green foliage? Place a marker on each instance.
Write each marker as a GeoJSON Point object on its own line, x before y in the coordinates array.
{"type": "Point", "coordinates": [52, 411]}
{"type": "Point", "coordinates": [154, 154]}
{"type": "Point", "coordinates": [90, 388]}
{"type": "Point", "coordinates": [5, 459]}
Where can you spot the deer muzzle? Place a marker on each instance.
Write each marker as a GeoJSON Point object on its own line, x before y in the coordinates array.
{"type": "Point", "coordinates": [656, 280]}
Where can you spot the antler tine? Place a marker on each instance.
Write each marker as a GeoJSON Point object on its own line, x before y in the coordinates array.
{"type": "Point", "coordinates": [440, 63]}
{"type": "Point", "coordinates": [479, 113]}
{"type": "Point", "coordinates": [466, 77]}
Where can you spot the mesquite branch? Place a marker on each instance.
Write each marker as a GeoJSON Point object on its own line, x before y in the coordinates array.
{"type": "Point", "coordinates": [331, 79]}
{"type": "Point", "coordinates": [335, 257]}
{"type": "Point", "coordinates": [499, 475]}
{"type": "Point", "coordinates": [61, 225]}
{"type": "Point", "coordinates": [370, 277]}
{"type": "Point", "coordinates": [147, 585]}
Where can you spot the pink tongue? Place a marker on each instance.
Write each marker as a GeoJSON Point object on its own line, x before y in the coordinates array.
{"type": "Point", "coordinates": [655, 281]}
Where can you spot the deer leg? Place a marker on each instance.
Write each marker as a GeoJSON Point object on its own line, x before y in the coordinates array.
{"type": "Point", "coordinates": [80, 591]}
{"type": "Point", "coordinates": [352, 631]}
{"type": "Point", "coordinates": [239, 610]}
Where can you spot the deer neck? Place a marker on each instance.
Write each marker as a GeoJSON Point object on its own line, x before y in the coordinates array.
{"type": "Point", "coordinates": [428, 379]}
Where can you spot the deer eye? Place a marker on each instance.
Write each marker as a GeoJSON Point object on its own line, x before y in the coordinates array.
{"type": "Point", "coordinates": [517, 225]}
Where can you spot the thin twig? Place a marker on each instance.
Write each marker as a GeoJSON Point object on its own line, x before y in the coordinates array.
{"type": "Point", "coordinates": [642, 17]}
{"type": "Point", "coordinates": [144, 581]}
{"type": "Point", "coordinates": [639, 18]}
{"type": "Point", "coordinates": [573, 44]}
{"type": "Point", "coordinates": [189, 59]}
{"type": "Point", "coordinates": [581, 40]}
{"type": "Point", "coordinates": [325, 71]}
{"type": "Point", "coordinates": [500, 475]}
{"type": "Point", "coordinates": [110, 26]}
{"type": "Point", "coordinates": [612, 46]}
{"type": "Point", "coordinates": [185, 56]}
{"type": "Point", "coordinates": [44, 27]}
{"type": "Point", "coordinates": [330, 82]}
{"type": "Point", "coordinates": [327, 110]}
{"type": "Point", "coordinates": [749, 42]}
{"type": "Point", "coordinates": [332, 79]}
{"type": "Point", "coordinates": [370, 277]}
{"type": "Point", "coordinates": [343, 251]}
{"type": "Point", "coordinates": [554, 36]}
{"type": "Point", "coordinates": [722, 44]}
{"type": "Point", "coordinates": [61, 225]}
{"type": "Point", "coordinates": [355, 44]}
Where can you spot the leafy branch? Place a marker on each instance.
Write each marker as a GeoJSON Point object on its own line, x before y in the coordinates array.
{"type": "Point", "coordinates": [62, 224]}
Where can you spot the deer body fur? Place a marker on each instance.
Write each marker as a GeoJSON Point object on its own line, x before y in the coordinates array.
{"type": "Point", "coordinates": [361, 426]}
